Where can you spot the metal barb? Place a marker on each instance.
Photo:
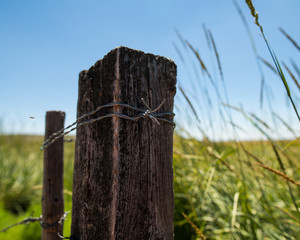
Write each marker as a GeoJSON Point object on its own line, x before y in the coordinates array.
{"type": "Point", "coordinates": [62, 237]}
{"type": "Point", "coordinates": [59, 222]}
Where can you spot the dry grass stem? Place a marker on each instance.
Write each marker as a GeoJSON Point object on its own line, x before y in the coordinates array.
{"type": "Point", "coordinates": [251, 155]}
{"type": "Point", "coordinates": [216, 54]}
{"type": "Point", "coordinates": [292, 75]}
{"type": "Point", "coordinates": [278, 173]}
{"type": "Point", "coordinates": [193, 225]}
{"type": "Point", "coordinates": [289, 38]}
{"type": "Point", "coordinates": [269, 65]}
{"type": "Point", "coordinates": [190, 104]}
{"type": "Point", "coordinates": [287, 213]}
{"type": "Point", "coordinates": [221, 160]}
{"type": "Point", "coordinates": [254, 13]}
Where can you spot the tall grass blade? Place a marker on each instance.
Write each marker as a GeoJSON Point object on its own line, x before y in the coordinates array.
{"type": "Point", "coordinates": [206, 36]}
{"type": "Point", "coordinates": [262, 84]}
{"type": "Point", "coordinates": [254, 13]}
{"type": "Point", "coordinates": [193, 225]}
{"type": "Point", "coordinates": [292, 75]}
{"type": "Point", "coordinates": [266, 204]}
{"type": "Point", "coordinates": [196, 53]}
{"type": "Point", "coordinates": [283, 80]}
{"type": "Point", "coordinates": [287, 213]}
{"type": "Point", "coordinates": [203, 67]}
{"type": "Point", "coordinates": [181, 39]}
{"type": "Point", "coordinates": [179, 53]}
{"type": "Point", "coordinates": [291, 130]}
{"type": "Point", "coordinates": [274, 149]}
{"type": "Point", "coordinates": [212, 153]}
{"type": "Point", "coordinates": [237, 127]}
{"type": "Point", "coordinates": [190, 104]}
{"type": "Point", "coordinates": [290, 144]}
{"type": "Point", "coordinates": [216, 54]}
{"type": "Point", "coordinates": [278, 67]}
{"type": "Point", "coordinates": [234, 210]}
{"type": "Point", "coordinates": [289, 38]}
{"type": "Point", "coordinates": [219, 63]}
{"type": "Point", "coordinates": [281, 174]}
{"type": "Point", "coordinates": [269, 65]}
{"type": "Point", "coordinates": [283, 169]}
{"type": "Point", "coordinates": [251, 155]}
{"type": "Point", "coordinates": [205, 70]}
{"type": "Point", "coordinates": [295, 68]}
{"type": "Point", "coordinates": [211, 175]}
{"type": "Point", "coordinates": [221, 73]}
{"type": "Point", "coordinates": [260, 121]}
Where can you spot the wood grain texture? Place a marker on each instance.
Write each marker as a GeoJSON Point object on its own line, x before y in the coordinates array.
{"type": "Point", "coordinates": [53, 198]}
{"type": "Point", "coordinates": [123, 176]}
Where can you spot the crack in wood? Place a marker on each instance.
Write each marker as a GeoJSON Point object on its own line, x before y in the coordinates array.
{"type": "Point", "coordinates": [116, 146]}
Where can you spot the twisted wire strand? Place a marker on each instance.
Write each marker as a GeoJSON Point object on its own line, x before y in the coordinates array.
{"type": "Point", "coordinates": [98, 109]}
{"type": "Point", "coordinates": [39, 219]}
{"type": "Point", "coordinates": [155, 117]}
{"type": "Point", "coordinates": [89, 114]}
{"type": "Point", "coordinates": [59, 222]}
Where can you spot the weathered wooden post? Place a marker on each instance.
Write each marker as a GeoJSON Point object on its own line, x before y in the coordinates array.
{"type": "Point", "coordinates": [53, 198]}
{"type": "Point", "coordinates": [123, 175]}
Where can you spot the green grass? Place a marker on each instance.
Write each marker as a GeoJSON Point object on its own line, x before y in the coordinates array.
{"type": "Point", "coordinates": [219, 188]}
{"type": "Point", "coordinates": [20, 184]}
{"type": "Point", "coordinates": [235, 190]}
{"type": "Point", "coordinates": [228, 196]}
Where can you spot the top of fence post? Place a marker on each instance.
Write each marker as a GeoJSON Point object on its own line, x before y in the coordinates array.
{"type": "Point", "coordinates": [123, 176]}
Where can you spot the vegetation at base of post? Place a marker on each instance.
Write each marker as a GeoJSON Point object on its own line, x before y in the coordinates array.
{"type": "Point", "coordinates": [204, 186]}
{"type": "Point", "coordinates": [21, 169]}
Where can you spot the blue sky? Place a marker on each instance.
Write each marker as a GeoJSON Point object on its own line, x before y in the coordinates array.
{"type": "Point", "coordinates": [45, 44]}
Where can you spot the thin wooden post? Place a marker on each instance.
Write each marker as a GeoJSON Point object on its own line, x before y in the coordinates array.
{"type": "Point", "coordinates": [123, 175]}
{"type": "Point", "coordinates": [53, 198]}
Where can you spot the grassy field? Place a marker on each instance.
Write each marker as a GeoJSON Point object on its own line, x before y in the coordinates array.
{"type": "Point", "coordinates": [225, 190]}
{"type": "Point", "coordinates": [232, 191]}
{"type": "Point", "coordinates": [21, 169]}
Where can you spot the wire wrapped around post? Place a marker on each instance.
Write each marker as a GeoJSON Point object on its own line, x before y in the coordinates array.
{"type": "Point", "coordinates": [148, 113]}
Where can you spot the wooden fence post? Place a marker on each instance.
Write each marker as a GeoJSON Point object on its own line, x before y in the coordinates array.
{"type": "Point", "coordinates": [123, 174]}
{"type": "Point", "coordinates": [53, 198]}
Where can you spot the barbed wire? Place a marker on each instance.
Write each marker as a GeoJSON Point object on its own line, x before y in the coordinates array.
{"type": "Point", "coordinates": [59, 222]}
{"type": "Point", "coordinates": [148, 113]}
{"type": "Point", "coordinates": [62, 237]}
{"type": "Point", "coordinates": [25, 221]}
{"type": "Point", "coordinates": [38, 219]}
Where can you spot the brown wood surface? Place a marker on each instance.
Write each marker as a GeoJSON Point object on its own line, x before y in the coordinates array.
{"type": "Point", "coordinates": [123, 175]}
{"type": "Point", "coordinates": [53, 198]}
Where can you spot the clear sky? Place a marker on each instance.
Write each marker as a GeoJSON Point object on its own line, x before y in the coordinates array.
{"type": "Point", "coordinates": [45, 44]}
